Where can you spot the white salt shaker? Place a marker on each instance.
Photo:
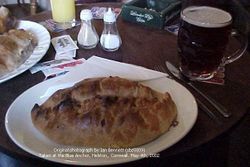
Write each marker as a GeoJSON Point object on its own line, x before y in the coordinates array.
{"type": "Point", "coordinates": [87, 37]}
{"type": "Point", "coordinates": [110, 38]}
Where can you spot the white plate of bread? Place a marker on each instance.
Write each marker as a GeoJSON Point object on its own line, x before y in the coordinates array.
{"type": "Point", "coordinates": [101, 121]}
{"type": "Point", "coordinates": [22, 44]}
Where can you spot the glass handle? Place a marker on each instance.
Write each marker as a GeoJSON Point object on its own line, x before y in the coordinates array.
{"type": "Point", "coordinates": [243, 39]}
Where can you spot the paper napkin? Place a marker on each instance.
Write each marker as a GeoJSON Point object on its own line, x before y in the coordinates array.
{"type": "Point", "coordinates": [100, 67]}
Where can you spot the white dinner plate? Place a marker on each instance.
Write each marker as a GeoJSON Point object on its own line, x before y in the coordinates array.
{"type": "Point", "coordinates": [40, 50]}
{"type": "Point", "coordinates": [19, 127]}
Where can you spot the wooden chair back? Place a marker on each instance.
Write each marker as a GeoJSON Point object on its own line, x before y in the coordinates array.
{"type": "Point", "coordinates": [22, 9]}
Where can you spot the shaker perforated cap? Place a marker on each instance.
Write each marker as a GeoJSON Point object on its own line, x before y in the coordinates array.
{"type": "Point", "coordinates": [109, 16]}
{"type": "Point", "coordinates": [86, 14]}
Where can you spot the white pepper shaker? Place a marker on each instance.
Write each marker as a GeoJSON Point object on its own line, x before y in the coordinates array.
{"type": "Point", "coordinates": [87, 37]}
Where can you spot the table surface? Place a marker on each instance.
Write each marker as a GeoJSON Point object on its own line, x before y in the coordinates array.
{"type": "Point", "coordinates": [145, 47]}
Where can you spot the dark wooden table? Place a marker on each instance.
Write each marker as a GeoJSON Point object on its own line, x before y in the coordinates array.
{"type": "Point", "coordinates": [145, 47]}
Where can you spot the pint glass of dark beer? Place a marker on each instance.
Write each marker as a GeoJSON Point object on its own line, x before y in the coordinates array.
{"type": "Point", "coordinates": [202, 39]}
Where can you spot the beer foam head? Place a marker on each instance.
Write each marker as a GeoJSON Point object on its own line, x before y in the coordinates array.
{"type": "Point", "coordinates": [205, 16]}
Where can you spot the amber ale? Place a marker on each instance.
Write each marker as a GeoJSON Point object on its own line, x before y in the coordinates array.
{"type": "Point", "coordinates": [203, 36]}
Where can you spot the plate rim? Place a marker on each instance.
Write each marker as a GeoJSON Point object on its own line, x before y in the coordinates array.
{"type": "Point", "coordinates": [92, 163]}
{"type": "Point", "coordinates": [5, 77]}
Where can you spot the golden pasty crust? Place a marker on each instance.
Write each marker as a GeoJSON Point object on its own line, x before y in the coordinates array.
{"type": "Point", "coordinates": [107, 112]}
{"type": "Point", "coordinates": [7, 21]}
{"type": "Point", "coordinates": [16, 46]}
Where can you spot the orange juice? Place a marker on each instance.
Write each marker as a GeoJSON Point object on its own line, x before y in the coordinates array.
{"type": "Point", "coordinates": [63, 10]}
